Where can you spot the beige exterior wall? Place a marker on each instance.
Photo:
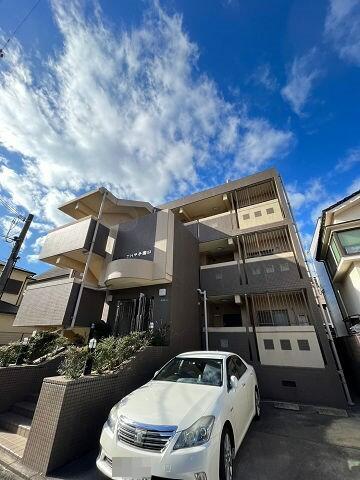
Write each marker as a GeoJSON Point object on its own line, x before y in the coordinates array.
{"type": "Point", "coordinates": [295, 357]}
{"type": "Point", "coordinates": [264, 219]}
{"type": "Point", "coordinates": [350, 289]}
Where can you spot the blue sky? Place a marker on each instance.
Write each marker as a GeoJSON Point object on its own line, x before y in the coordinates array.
{"type": "Point", "coordinates": [155, 100]}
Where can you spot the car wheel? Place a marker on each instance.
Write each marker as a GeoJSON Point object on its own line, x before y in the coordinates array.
{"type": "Point", "coordinates": [226, 456]}
{"type": "Point", "coordinates": [257, 404]}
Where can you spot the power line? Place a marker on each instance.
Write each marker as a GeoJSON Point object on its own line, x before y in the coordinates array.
{"type": "Point", "coordinates": [20, 24]}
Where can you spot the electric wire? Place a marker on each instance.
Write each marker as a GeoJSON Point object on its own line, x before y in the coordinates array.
{"type": "Point", "coordinates": [20, 24]}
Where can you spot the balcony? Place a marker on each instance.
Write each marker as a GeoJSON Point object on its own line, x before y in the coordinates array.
{"type": "Point", "coordinates": [52, 303]}
{"type": "Point", "coordinates": [129, 272]}
{"type": "Point", "coordinates": [69, 245]}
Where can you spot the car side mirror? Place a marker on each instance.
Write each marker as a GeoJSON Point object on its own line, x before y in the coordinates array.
{"type": "Point", "coordinates": [234, 382]}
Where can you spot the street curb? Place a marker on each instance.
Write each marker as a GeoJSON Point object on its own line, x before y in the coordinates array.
{"type": "Point", "coordinates": [14, 465]}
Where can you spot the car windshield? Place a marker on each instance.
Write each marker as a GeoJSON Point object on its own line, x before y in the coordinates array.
{"type": "Point", "coordinates": [200, 371]}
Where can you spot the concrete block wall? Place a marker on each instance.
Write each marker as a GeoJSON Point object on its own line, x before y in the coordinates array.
{"type": "Point", "coordinates": [70, 413]}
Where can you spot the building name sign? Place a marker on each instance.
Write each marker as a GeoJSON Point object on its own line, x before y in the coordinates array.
{"type": "Point", "coordinates": [142, 253]}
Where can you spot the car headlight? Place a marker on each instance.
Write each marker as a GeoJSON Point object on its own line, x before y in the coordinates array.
{"type": "Point", "coordinates": [198, 434]}
{"type": "Point", "coordinates": [112, 418]}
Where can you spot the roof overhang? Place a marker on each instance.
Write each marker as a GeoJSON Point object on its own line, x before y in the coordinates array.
{"type": "Point", "coordinates": [89, 204]}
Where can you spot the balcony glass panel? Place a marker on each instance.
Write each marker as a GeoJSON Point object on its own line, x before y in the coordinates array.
{"type": "Point", "coordinates": [350, 241]}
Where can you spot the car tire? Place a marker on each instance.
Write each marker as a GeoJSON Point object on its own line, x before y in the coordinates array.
{"type": "Point", "coordinates": [257, 404]}
{"type": "Point", "coordinates": [226, 464]}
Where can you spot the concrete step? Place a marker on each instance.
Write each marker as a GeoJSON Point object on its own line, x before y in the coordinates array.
{"type": "Point", "coordinates": [15, 423]}
{"type": "Point", "coordinates": [32, 397]}
{"type": "Point", "coordinates": [26, 409]}
{"type": "Point", "coordinates": [12, 443]}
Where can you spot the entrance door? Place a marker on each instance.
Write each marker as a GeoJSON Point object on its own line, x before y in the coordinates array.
{"type": "Point", "coordinates": [133, 315]}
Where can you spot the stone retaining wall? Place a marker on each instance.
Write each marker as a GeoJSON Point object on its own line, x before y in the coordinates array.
{"type": "Point", "coordinates": [70, 413]}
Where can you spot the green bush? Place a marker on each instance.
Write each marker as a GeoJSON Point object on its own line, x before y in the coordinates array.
{"type": "Point", "coordinates": [9, 353]}
{"type": "Point", "coordinates": [44, 343]}
{"type": "Point", "coordinates": [74, 362]}
{"type": "Point", "coordinates": [110, 354]}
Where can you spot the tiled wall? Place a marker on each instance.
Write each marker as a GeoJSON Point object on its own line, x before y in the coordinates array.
{"type": "Point", "coordinates": [70, 413]}
{"type": "Point", "coordinates": [18, 381]}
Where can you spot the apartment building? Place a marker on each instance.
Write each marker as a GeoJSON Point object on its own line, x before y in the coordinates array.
{"type": "Point", "coordinates": [237, 241]}
{"type": "Point", "coordinates": [9, 304]}
{"type": "Point", "coordinates": [336, 250]}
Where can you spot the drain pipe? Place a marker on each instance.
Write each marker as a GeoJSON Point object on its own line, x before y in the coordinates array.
{"type": "Point", "coordinates": [87, 264]}
{"type": "Point", "coordinates": [203, 293]}
{"type": "Point", "coordinates": [339, 368]}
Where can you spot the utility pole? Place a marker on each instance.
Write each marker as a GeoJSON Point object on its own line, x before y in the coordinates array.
{"type": "Point", "coordinates": [10, 264]}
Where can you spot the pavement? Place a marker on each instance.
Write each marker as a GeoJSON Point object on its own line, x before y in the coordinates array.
{"type": "Point", "coordinates": [283, 445]}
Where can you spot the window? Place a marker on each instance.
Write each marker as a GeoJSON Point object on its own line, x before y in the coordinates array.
{"type": "Point", "coordinates": [246, 216]}
{"type": "Point", "coordinates": [234, 367]}
{"type": "Point", "coordinates": [202, 371]}
{"type": "Point", "coordinates": [273, 317]}
{"type": "Point", "coordinates": [302, 319]}
{"type": "Point", "coordinates": [13, 286]}
{"type": "Point", "coordinates": [268, 344]}
{"type": "Point", "coordinates": [258, 213]}
{"type": "Point", "coordinates": [218, 276]}
{"type": "Point", "coordinates": [269, 211]}
{"type": "Point", "coordinates": [350, 241]}
{"type": "Point", "coordinates": [240, 366]}
{"type": "Point", "coordinates": [284, 267]}
{"type": "Point", "coordinates": [256, 271]}
{"type": "Point", "coordinates": [232, 320]}
{"type": "Point", "coordinates": [224, 343]}
{"type": "Point", "coordinates": [303, 344]}
{"type": "Point", "coordinates": [269, 269]}
{"type": "Point", "coordinates": [285, 344]}
{"type": "Point", "coordinates": [335, 251]}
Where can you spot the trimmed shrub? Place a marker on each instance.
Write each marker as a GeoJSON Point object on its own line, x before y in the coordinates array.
{"type": "Point", "coordinates": [110, 354]}
{"type": "Point", "coordinates": [74, 362]}
{"type": "Point", "coordinates": [44, 343]}
{"type": "Point", "coordinates": [9, 353]}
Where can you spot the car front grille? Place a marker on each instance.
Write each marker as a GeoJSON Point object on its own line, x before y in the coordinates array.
{"type": "Point", "coordinates": [148, 437]}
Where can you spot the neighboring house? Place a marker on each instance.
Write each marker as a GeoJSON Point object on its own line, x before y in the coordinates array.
{"type": "Point", "coordinates": [237, 241]}
{"type": "Point", "coordinates": [336, 249]}
{"type": "Point", "coordinates": [9, 304]}
{"type": "Point", "coordinates": [336, 243]}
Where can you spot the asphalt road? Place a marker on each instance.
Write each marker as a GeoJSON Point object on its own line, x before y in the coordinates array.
{"type": "Point", "coordinates": [283, 445]}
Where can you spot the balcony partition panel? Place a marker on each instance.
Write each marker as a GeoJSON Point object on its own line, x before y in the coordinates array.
{"type": "Point", "coordinates": [258, 193]}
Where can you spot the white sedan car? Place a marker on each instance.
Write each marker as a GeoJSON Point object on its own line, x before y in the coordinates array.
{"type": "Point", "coordinates": [186, 423]}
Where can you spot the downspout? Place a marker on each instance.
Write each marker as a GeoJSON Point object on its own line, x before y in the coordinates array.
{"type": "Point", "coordinates": [87, 264]}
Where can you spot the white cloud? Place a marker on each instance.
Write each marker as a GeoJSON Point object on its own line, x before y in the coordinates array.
{"type": "Point", "coordinates": [261, 142]}
{"type": "Point", "coordinates": [351, 159]}
{"type": "Point", "coordinates": [126, 110]}
{"type": "Point", "coordinates": [354, 187]}
{"type": "Point", "coordinates": [263, 76]}
{"type": "Point", "coordinates": [342, 28]}
{"type": "Point", "coordinates": [300, 82]}
{"type": "Point", "coordinates": [309, 194]}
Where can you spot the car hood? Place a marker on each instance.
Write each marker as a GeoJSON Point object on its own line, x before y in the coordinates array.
{"type": "Point", "coordinates": [168, 403]}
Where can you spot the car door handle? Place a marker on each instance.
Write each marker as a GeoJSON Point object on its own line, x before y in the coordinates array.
{"type": "Point", "coordinates": [231, 409]}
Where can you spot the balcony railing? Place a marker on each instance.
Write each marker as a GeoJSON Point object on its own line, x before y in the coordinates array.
{"type": "Point", "coordinates": [280, 309]}
{"type": "Point", "coordinates": [269, 242]}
